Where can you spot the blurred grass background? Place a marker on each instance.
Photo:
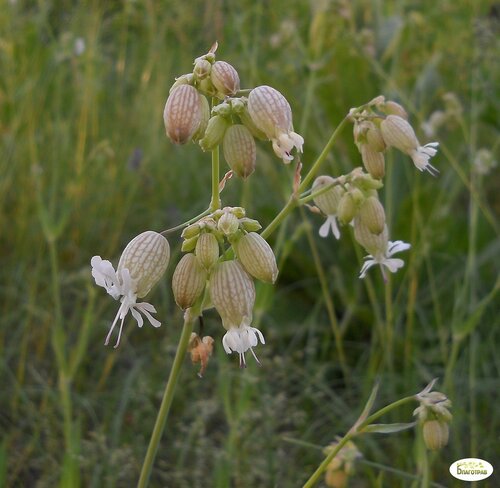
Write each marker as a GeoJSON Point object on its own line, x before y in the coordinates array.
{"type": "Point", "coordinates": [85, 166]}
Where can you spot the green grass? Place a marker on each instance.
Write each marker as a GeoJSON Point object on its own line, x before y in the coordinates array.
{"type": "Point", "coordinates": [85, 166]}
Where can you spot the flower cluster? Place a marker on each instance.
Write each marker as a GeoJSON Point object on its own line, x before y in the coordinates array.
{"type": "Point", "coordinates": [235, 121]}
{"type": "Point", "coordinates": [353, 199]}
{"type": "Point", "coordinates": [208, 274]}
{"type": "Point", "coordinates": [382, 124]}
{"type": "Point", "coordinates": [434, 416]}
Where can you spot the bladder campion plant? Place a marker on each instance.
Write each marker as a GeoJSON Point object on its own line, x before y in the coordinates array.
{"type": "Point", "coordinates": [224, 252]}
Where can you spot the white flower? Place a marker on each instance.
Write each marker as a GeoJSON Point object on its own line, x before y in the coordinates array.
{"type": "Point", "coordinates": [397, 132]}
{"type": "Point", "coordinates": [385, 259]}
{"type": "Point", "coordinates": [121, 286]}
{"type": "Point", "coordinates": [328, 203]}
{"type": "Point", "coordinates": [330, 224]}
{"type": "Point", "coordinates": [241, 339]}
{"type": "Point", "coordinates": [283, 145]}
{"type": "Point", "coordinates": [141, 265]}
{"type": "Point", "coordinates": [233, 295]}
{"type": "Point", "coordinates": [272, 114]}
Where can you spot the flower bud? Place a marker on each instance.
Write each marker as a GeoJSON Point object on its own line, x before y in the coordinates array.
{"type": "Point", "coordinates": [233, 294]}
{"type": "Point", "coordinates": [205, 117]}
{"type": "Point", "coordinates": [372, 215]}
{"type": "Point", "coordinates": [206, 86]}
{"type": "Point", "coordinates": [239, 150]}
{"type": "Point", "coordinates": [250, 225]}
{"type": "Point", "coordinates": [375, 244]}
{"type": "Point", "coordinates": [228, 223]}
{"type": "Point", "coordinates": [224, 108]}
{"type": "Point", "coordinates": [214, 132]}
{"type": "Point", "coordinates": [346, 209]}
{"type": "Point", "coordinates": [327, 202]}
{"type": "Point", "coordinates": [207, 250]}
{"type": "Point", "coordinates": [394, 108]}
{"type": "Point", "coordinates": [191, 231]}
{"type": "Point", "coordinates": [202, 69]}
{"type": "Point", "coordinates": [436, 434]}
{"type": "Point", "coordinates": [188, 281]}
{"type": "Point", "coordinates": [187, 79]}
{"type": "Point", "coordinates": [239, 212]}
{"type": "Point", "coordinates": [238, 105]}
{"type": "Point", "coordinates": [257, 257]}
{"type": "Point", "coordinates": [189, 244]}
{"type": "Point", "coordinates": [146, 258]}
{"type": "Point", "coordinates": [225, 78]}
{"type": "Point", "coordinates": [183, 113]}
{"type": "Point", "coordinates": [373, 161]}
{"type": "Point", "coordinates": [270, 111]}
{"type": "Point", "coordinates": [374, 138]}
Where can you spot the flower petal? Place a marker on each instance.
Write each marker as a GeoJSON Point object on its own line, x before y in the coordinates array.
{"type": "Point", "coordinates": [393, 264]}
{"type": "Point", "coordinates": [397, 246]}
{"type": "Point", "coordinates": [324, 229]}
{"type": "Point", "coordinates": [137, 316]}
{"type": "Point", "coordinates": [366, 266]}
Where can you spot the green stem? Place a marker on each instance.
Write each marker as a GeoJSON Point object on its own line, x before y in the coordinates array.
{"type": "Point", "coordinates": [321, 158]}
{"type": "Point", "coordinates": [168, 396]}
{"type": "Point", "coordinates": [354, 431]}
{"type": "Point", "coordinates": [64, 381]}
{"type": "Point", "coordinates": [389, 324]}
{"type": "Point", "coordinates": [185, 224]}
{"type": "Point", "coordinates": [294, 201]}
{"type": "Point", "coordinates": [287, 209]}
{"type": "Point", "coordinates": [215, 203]}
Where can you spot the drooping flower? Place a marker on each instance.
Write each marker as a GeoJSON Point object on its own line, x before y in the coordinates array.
{"type": "Point", "coordinates": [271, 113]}
{"type": "Point", "coordinates": [141, 265]}
{"type": "Point", "coordinates": [385, 259]}
{"type": "Point", "coordinates": [397, 132]}
{"type": "Point", "coordinates": [233, 295]}
{"type": "Point", "coordinates": [328, 203]}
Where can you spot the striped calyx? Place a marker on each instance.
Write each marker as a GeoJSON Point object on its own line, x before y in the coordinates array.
{"type": "Point", "coordinates": [224, 78]}
{"type": "Point", "coordinates": [233, 294]}
{"type": "Point", "coordinates": [373, 161]}
{"type": "Point", "coordinates": [202, 69]}
{"type": "Point", "coordinates": [146, 258]}
{"type": "Point", "coordinates": [270, 111]}
{"type": "Point", "coordinates": [372, 215]}
{"type": "Point", "coordinates": [328, 201]}
{"type": "Point", "coordinates": [239, 150]}
{"type": "Point", "coordinates": [394, 108]}
{"type": "Point", "coordinates": [257, 257]}
{"type": "Point", "coordinates": [374, 138]}
{"type": "Point", "coordinates": [183, 114]}
{"type": "Point", "coordinates": [346, 209]}
{"type": "Point", "coordinates": [398, 133]}
{"type": "Point", "coordinates": [207, 250]}
{"type": "Point", "coordinates": [375, 244]}
{"type": "Point", "coordinates": [188, 281]}
{"type": "Point", "coordinates": [205, 117]}
{"type": "Point", "coordinates": [436, 434]}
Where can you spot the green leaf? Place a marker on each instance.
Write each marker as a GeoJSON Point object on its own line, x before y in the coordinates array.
{"type": "Point", "coordinates": [388, 428]}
